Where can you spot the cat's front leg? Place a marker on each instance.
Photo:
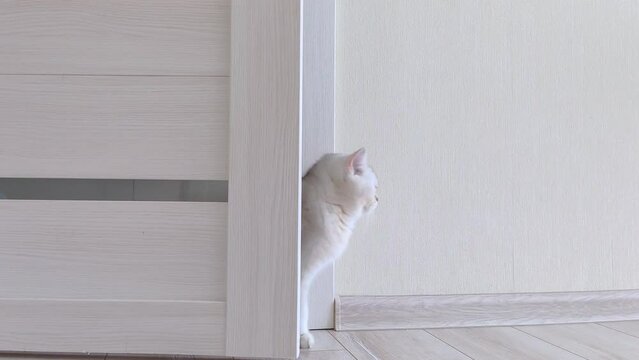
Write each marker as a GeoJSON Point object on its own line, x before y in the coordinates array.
{"type": "Point", "coordinates": [306, 339]}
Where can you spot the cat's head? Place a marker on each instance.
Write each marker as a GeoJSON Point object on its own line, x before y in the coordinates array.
{"type": "Point", "coordinates": [354, 182]}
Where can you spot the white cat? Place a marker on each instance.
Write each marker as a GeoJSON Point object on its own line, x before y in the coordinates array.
{"type": "Point", "coordinates": [336, 192]}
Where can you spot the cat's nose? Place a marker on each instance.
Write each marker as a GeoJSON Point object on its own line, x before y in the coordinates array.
{"type": "Point", "coordinates": [376, 198]}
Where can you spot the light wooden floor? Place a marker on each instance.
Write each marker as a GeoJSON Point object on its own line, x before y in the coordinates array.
{"type": "Point", "coordinates": [614, 340]}
{"type": "Point", "coordinates": [596, 341]}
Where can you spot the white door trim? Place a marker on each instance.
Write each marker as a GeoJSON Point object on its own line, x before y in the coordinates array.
{"type": "Point", "coordinates": [318, 130]}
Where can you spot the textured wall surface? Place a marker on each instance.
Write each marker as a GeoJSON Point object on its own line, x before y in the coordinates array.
{"type": "Point", "coordinates": [505, 136]}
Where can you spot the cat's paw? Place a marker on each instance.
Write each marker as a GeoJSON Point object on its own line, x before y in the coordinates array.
{"type": "Point", "coordinates": [306, 341]}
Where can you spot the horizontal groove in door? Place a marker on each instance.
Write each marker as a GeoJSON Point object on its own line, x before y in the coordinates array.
{"type": "Point", "coordinates": [113, 190]}
{"type": "Point", "coordinates": [141, 37]}
{"type": "Point", "coordinates": [122, 127]}
{"type": "Point", "coordinates": [113, 250]}
{"type": "Point", "coordinates": [132, 327]}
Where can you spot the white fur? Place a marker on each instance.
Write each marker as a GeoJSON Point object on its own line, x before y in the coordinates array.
{"type": "Point", "coordinates": [336, 192]}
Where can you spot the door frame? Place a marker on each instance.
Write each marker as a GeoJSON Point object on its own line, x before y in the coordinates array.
{"type": "Point", "coordinates": [318, 129]}
{"type": "Point", "coordinates": [281, 121]}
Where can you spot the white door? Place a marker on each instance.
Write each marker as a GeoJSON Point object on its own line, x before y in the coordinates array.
{"type": "Point", "coordinates": [145, 90]}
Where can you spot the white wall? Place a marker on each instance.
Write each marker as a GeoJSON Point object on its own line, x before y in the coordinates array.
{"type": "Point", "coordinates": [506, 138]}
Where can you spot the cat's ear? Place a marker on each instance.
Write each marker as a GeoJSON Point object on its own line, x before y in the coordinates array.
{"type": "Point", "coordinates": [357, 161]}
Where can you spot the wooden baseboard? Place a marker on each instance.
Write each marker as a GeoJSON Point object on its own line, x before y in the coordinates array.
{"type": "Point", "coordinates": [441, 311]}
